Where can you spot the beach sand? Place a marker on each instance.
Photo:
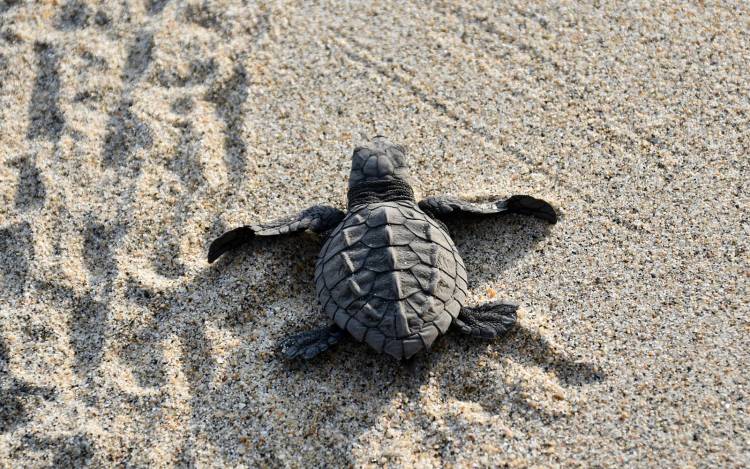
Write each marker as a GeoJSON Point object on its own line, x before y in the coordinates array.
{"type": "Point", "coordinates": [132, 134]}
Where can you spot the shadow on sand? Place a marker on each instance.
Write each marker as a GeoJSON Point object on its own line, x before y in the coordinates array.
{"type": "Point", "coordinates": [256, 404]}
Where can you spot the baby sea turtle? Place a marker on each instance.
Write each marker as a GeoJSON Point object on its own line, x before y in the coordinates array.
{"type": "Point", "coordinates": [388, 273]}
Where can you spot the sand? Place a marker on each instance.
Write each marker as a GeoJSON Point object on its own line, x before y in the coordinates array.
{"type": "Point", "coordinates": [134, 133]}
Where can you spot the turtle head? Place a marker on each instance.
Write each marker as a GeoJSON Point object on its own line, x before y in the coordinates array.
{"type": "Point", "coordinates": [379, 161]}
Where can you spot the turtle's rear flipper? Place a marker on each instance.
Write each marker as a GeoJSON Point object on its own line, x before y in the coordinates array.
{"type": "Point", "coordinates": [317, 218]}
{"type": "Point", "coordinates": [311, 343]}
{"type": "Point", "coordinates": [487, 320]}
{"type": "Point", "coordinates": [445, 207]}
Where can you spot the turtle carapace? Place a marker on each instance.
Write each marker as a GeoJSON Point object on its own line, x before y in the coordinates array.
{"type": "Point", "coordinates": [389, 273]}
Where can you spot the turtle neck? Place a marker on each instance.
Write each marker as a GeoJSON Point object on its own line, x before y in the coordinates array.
{"type": "Point", "coordinates": [384, 190]}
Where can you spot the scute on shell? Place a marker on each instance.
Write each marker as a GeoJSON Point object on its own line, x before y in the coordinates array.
{"type": "Point", "coordinates": [391, 277]}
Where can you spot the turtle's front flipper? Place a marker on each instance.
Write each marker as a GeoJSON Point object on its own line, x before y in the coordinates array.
{"type": "Point", "coordinates": [309, 344]}
{"type": "Point", "coordinates": [487, 320]}
{"type": "Point", "coordinates": [317, 218]}
{"type": "Point", "coordinates": [446, 207]}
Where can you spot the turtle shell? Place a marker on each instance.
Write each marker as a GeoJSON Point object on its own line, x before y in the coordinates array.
{"type": "Point", "coordinates": [392, 277]}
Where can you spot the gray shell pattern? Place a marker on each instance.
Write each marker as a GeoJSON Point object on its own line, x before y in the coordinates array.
{"type": "Point", "coordinates": [392, 277]}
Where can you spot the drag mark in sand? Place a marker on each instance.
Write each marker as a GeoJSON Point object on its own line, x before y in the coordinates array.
{"type": "Point", "coordinates": [46, 120]}
{"type": "Point", "coordinates": [30, 190]}
{"type": "Point", "coordinates": [360, 56]}
{"type": "Point", "coordinates": [125, 132]}
{"type": "Point", "coordinates": [16, 253]}
{"type": "Point", "coordinates": [229, 98]}
{"type": "Point", "coordinates": [15, 394]}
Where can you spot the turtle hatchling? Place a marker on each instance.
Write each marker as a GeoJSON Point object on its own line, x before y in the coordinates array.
{"type": "Point", "coordinates": [389, 273]}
